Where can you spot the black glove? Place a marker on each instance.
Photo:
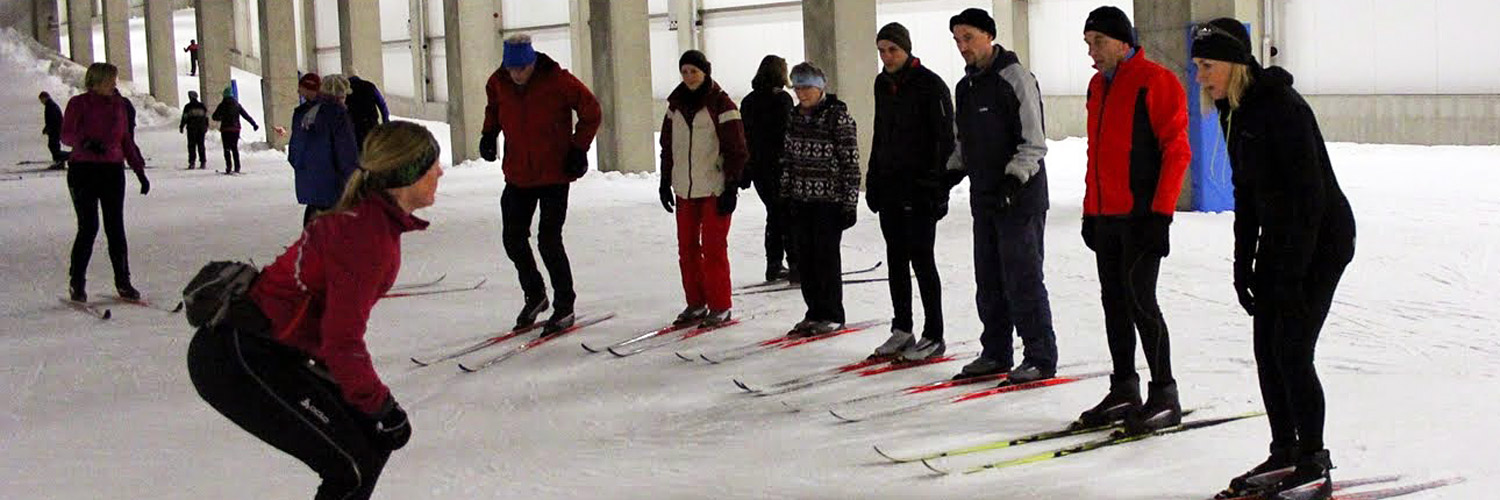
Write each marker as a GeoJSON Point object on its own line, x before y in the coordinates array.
{"type": "Point", "coordinates": [1088, 232]}
{"type": "Point", "coordinates": [1151, 233]}
{"type": "Point", "coordinates": [667, 199]}
{"type": "Point", "coordinates": [727, 200]}
{"type": "Point", "coordinates": [389, 428]}
{"type": "Point", "coordinates": [1242, 277]}
{"type": "Point", "coordinates": [145, 183]}
{"type": "Point", "coordinates": [487, 146]}
{"type": "Point", "coordinates": [94, 146]}
{"type": "Point", "coordinates": [953, 177]}
{"type": "Point", "coordinates": [850, 216]}
{"type": "Point", "coordinates": [576, 164]}
{"type": "Point", "coordinates": [1010, 189]}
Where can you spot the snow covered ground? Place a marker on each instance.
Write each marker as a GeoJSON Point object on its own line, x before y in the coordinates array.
{"type": "Point", "coordinates": [104, 409]}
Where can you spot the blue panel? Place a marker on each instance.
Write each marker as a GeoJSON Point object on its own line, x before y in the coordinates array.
{"type": "Point", "coordinates": [1209, 173]}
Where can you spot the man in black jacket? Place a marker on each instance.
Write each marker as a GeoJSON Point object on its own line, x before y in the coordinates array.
{"type": "Point", "coordinates": [999, 123]}
{"type": "Point", "coordinates": [52, 128]}
{"type": "Point", "coordinates": [905, 185]}
{"type": "Point", "coordinates": [367, 108]}
{"type": "Point", "coordinates": [195, 123]}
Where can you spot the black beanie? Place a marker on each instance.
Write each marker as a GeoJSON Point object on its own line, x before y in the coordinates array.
{"type": "Point", "coordinates": [897, 34]}
{"type": "Point", "coordinates": [977, 18]}
{"type": "Point", "coordinates": [1222, 39]}
{"type": "Point", "coordinates": [696, 58]}
{"type": "Point", "coordinates": [1111, 21]}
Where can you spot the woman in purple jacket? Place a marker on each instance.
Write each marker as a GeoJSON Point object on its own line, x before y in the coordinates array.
{"type": "Point", "coordinates": [97, 124]}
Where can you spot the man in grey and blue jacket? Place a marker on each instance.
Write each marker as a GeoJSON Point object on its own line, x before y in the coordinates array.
{"type": "Point", "coordinates": [1001, 146]}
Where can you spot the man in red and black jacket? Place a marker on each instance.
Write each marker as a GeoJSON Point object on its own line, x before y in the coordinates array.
{"type": "Point", "coordinates": [533, 101]}
{"type": "Point", "coordinates": [1137, 157]}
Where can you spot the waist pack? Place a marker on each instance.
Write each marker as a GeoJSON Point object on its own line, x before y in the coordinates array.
{"type": "Point", "coordinates": [219, 294]}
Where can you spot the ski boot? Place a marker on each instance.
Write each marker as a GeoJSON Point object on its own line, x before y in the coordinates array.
{"type": "Point", "coordinates": [900, 341]}
{"type": "Point", "coordinates": [1309, 481]}
{"type": "Point", "coordinates": [535, 304]}
{"type": "Point", "coordinates": [980, 367]}
{"type": "Point", "coordinates": [924, 349]}
{"type": "Point", "coordinates": [693, 314]}
{"type": "Point", "coordinates": [127, 292]}
{"type": "Point", "coordinates": [775, 272]}
{"type": "Point", "coordinates": [715, 318]}
{"type": "Point", "coordinates": [1261, 478]}
{"type": "Point", "coordinates": [76, 293]}
{"type": "Point", "coordinates": [1124, 399]}
{"type": "Point", "coordinates": [1161, 410]}
{"type": "Point", "coordinates": [562, 319]}
{"type": "Point", "coordinates": [1029, 372]}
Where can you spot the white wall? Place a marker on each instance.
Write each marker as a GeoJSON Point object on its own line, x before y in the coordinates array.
{"type": "Point", "coordinates": [927, 21]}
{"type": "Point", "coordinates": [1059, 58]}
{"type": "Point", "coordinates": [1390, 47]}
{"type": "Point", "coordinates": [736, 42]}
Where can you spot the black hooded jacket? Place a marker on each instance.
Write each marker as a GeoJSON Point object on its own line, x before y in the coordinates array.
{"type": "Point", "coordinates": [765, 111]}
{"type": "Point", "coordinates": [913, 139]}
{"type": "Point", "coordinates": [1288, 205]}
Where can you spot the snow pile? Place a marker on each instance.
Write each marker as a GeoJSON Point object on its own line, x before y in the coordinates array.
{"type": "Point", "coordinates": [63, 78]}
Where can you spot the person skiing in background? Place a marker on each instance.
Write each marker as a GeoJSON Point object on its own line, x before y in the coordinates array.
{"type": "Point", "coordinates": [195, 123]}
{"type": "Point", "coordinates": [905, 184]}
{"type": "Point", "coordinates": [1002, 145]}
{"type": "Point", "coordinates": [703, 156]}
{"type": "Point", "coordinates": [1138, 156]}
{"type": "Point", "coordinates": [765, 111]}
{"type": "Point", "coordinates": [192, 50]}
{"type": "Point", "coordinates": [228, 114]}
{"type": "Point", "coordinates": [367, 107]}
{"type": "Point", "coordinates": [52, 118]}
{"type": "Point", "coordinates": [1293, 237]}
{"type": "Point", "coordinates": [533, 100]}
{"type": "Point", "coordinates": [98, 125]}
{"type": "Point", "coordinates": [820, 183]}
{"type": "Point", "coordinates": [291, 367]}
{"type": "Point", "coordinates": [322, 150]}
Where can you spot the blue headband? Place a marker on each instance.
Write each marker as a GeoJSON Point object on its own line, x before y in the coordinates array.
{"type": "Point", "coordinates": [808, 80]}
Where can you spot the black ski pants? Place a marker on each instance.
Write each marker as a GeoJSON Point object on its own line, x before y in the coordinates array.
{"type": "Point", "coordinates": [231, 151]}
{"type": "Point", "coordinates": [778, 234]}
{"type": "Point", "coordinates": [1011, 297]}
{"type": "Point", "coordinates": [196, 150]}
{"type": "Point", "coordinates": [910, 236]}
{"type": "Point", "coordinates": [518, 205]}
{"type": "Point", "coordinates": [1127, 287]}
{"type": "Point", "coordinates": [818, 231]}
{"type": "Point", "coordinates": [1285, 342]}
{"type": "Point", "coordinates": [269, 391]}
{"type": "Point", "coordinates": [193, 61]}
{"type": "Point", "coordinates": [54, 146]}
{"type": "Point", "coordinates": [96, 188]}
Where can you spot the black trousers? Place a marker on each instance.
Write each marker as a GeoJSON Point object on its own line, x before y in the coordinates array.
{"type": "Point", "coordinates": [231, 151]}
{"type": "Point", "coordinates": [518, 205]}
{"type": "Point", "coordinates": [818, 231]}
{"type": "Point", "coordinates": [778, 234]}
{"type": "Point", "coordinates": [96, 188]}
{"type": "Point", "coordinates": [269, 391]}
{"type": "Point", "coordinates": [910, 236]}
{"type": "Point", "coordinates": [196, 150]}
{"type": "Point", "coordinates": [1011, 297]}
{"type": "Point", "coordinates": [54, 146]}
{"type": "Point", "coordinates": [194, 62]}
{"type": "Point", "coordinates": [1127, 287]}
{"type": "Point", "coordinates": [1285, 343]}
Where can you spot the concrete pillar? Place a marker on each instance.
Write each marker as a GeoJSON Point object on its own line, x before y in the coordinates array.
{"type": "Point", "coordinates": [309, 36]}
{"type": "Point", "coordinates": [583, 42]}
{"type": "Point", "coordinates": [359, 40]}
{"type": "Point", "coordinates": [839, 37]}
{"type": "Point", "coordinates": [213, 49]}
{"type": "Point", "coordinates": [1161, 26]}
{"type": "Point", "coordinates": [161, 51]}
{"type": "Point", "coordinates": [278, 66]}
{"type": "Point", "coordinates": [44, 24]}
{"type": "Point", "coordinates": [1014, 27]}
{"type": "Point", "coordinates": [117, 37]}
{"type": "Point", "coordinates": [622, 73]}
{"type": "Point", "coordinates": [686, 19]}
{"type": "Point", "coordinates": [81, 31]}
{"type": "Point", "coordinates": [417, 31]}
{"type": "Point", "coordinates": [472, 42]}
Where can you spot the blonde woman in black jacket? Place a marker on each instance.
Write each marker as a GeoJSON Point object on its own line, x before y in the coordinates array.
{"type": "Point", "coordinates": [1294, 234]}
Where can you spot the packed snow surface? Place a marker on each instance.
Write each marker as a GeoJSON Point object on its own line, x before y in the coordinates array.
{"type": "Point", "coordinates": [104, 409]}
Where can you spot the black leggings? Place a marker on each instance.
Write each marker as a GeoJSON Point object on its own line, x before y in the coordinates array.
{"type": "Point", "coordinates": [910, 236]}
{"type": "Point", "coordinates": [1127, 283]}
{"type": "Point", "coordinates": [196, 149]}
{"type": "Point", "coordinates": [818, 230]}
{"type": "Point", "coordinates": [231, 151]}
{"type": "Point", "coordinates": [517, 207]}
{"type": "Point", "coordinates": [269, 391]}
{"type": "Point", "coordinates": [98, 187]}
{"type": "Point", "coordinates": [778, 234]}
{"type": "Point", "coordinates": [1284, 347]}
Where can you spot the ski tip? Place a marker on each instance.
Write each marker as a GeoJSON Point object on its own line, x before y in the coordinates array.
{"type": "Point", "coordinates": [587, 348]}
{"type": "Point", "coordinates": [617, 354]}
{"type": "Point", "coordinates": [419, 362]}
{"type": "Point", "coordinates": [467, 369]}
{"type": "Point", "coordinates": [790, 408]}
{"type": "Point", "coordinates": [841, 417]}
{"type": "Point", "coordinates": [684, 358]}
{"type": "Point", "coordinates": [705, 358]}
{"type": "Point", "coordinates": [928, 464]}
{"type": "Point", "coordinates": [878, 451]}
{"type": "Point", "coordinates": [742, 385]}
{"type": "Point", "coordinates": [177, 308]}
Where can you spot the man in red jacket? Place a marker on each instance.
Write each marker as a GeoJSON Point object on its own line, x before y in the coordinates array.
{"type": "Point", "coordinates": [1138, 154]}
{"type": "Point", "coordinates": [533, 101]}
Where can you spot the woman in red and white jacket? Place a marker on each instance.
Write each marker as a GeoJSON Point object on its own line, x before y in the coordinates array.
{"type": "Point", "coordinates": [703, 157]}
{"type": "Point", "coordinates": [302, 379]}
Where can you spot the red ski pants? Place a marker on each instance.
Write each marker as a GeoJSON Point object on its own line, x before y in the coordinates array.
{"type": "Point", "coordinates": [703, 252]}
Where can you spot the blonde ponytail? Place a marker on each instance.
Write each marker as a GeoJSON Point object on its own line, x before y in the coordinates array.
{"type": "Point", "coordinates": [395, 154]}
